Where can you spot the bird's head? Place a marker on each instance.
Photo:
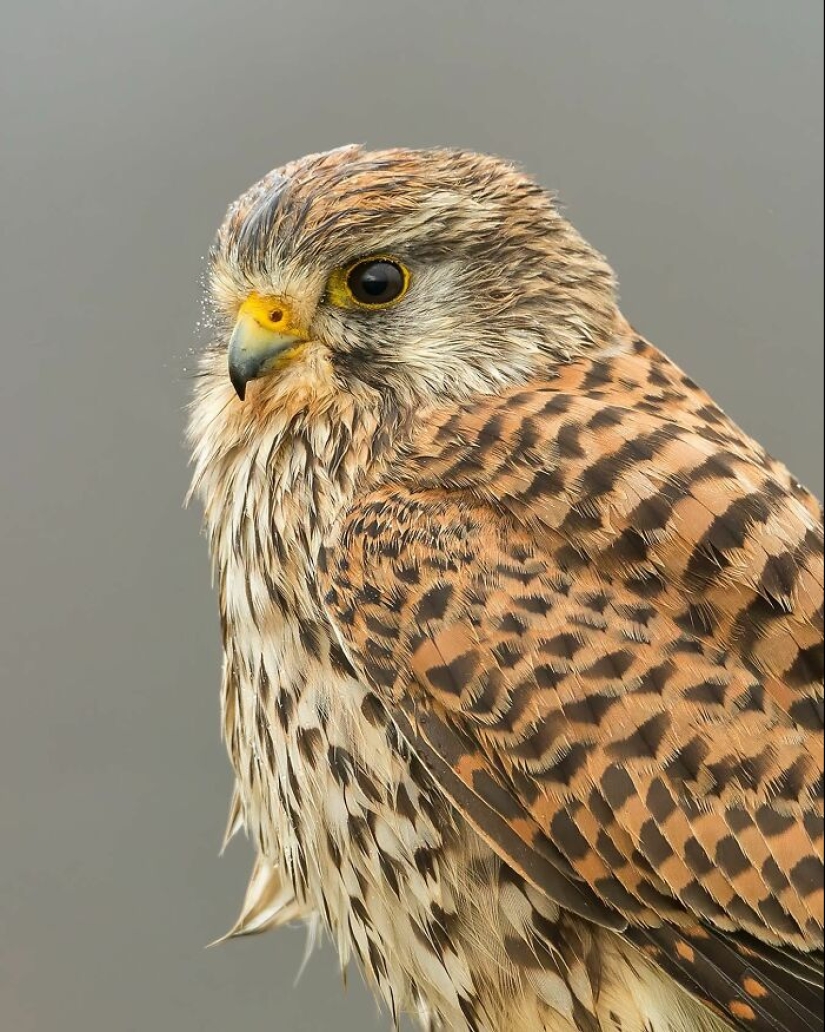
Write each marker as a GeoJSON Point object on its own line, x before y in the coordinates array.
{"type": "Point", "coordinates": [416, 275]}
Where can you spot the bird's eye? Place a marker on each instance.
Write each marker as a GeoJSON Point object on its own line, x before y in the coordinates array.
{"type": "Point", "coordinates": [376, 282]}
{"type": "Point", "coordinates": [369, 283]}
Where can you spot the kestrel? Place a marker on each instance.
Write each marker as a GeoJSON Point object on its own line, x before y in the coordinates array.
{"type": "Point", "coordinates": [522, 635]}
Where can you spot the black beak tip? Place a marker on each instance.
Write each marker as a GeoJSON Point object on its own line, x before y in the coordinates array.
{"type": "Point", "coordinates": [238, 381]}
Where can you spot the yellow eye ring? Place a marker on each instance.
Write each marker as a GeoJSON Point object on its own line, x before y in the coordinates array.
{"type": "Point", "coordinates": [372, 283]}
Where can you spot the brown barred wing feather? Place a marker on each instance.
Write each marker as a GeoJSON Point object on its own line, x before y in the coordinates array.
{"type": "Point", "coordinates": [602, 632]}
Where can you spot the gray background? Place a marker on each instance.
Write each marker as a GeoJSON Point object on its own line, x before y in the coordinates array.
{"type": "Point", "coordinates": [685, 140]}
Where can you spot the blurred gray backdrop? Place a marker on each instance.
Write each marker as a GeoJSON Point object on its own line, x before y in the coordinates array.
{"type": "Point", "coordinates": [686, 143]}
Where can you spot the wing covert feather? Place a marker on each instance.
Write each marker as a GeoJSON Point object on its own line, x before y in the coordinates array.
{"type": "Point", "coordinates": [602, 632]}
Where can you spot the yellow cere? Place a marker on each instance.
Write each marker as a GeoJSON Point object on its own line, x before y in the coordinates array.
{"type": "Point", "coordinates": [270, 313]}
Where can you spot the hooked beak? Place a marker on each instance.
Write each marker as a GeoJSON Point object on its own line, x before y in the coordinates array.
{"type": "Point", "coordinates": [263, 334]}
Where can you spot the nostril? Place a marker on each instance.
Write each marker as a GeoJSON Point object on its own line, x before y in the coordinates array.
{"type": "Point", "coordinates": [276, 315]}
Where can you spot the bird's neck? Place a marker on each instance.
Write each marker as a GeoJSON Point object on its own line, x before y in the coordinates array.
{"type": "Point", "coordinates": [273, 493]}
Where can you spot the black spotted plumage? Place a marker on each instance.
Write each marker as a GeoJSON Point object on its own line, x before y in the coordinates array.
{"type": "Point", "coordinates": [523, 636]}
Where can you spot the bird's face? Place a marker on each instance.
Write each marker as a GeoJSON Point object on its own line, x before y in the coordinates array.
{"type": "Point", "coordinates": [415, 275]}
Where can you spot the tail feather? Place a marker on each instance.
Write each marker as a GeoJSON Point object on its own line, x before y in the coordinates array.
{"type": "Point", "coordinates": [746, 987]}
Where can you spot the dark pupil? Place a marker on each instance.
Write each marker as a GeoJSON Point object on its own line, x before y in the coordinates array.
{"type": "Point", "coordinates": [376, 283]}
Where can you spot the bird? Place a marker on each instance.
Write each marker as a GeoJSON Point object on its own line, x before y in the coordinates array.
{"type": "Point", "coordinates": [522, 635]}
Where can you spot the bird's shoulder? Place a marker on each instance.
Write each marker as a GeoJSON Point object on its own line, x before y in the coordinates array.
{"type": "Point", "coordinates": [623, 465]}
